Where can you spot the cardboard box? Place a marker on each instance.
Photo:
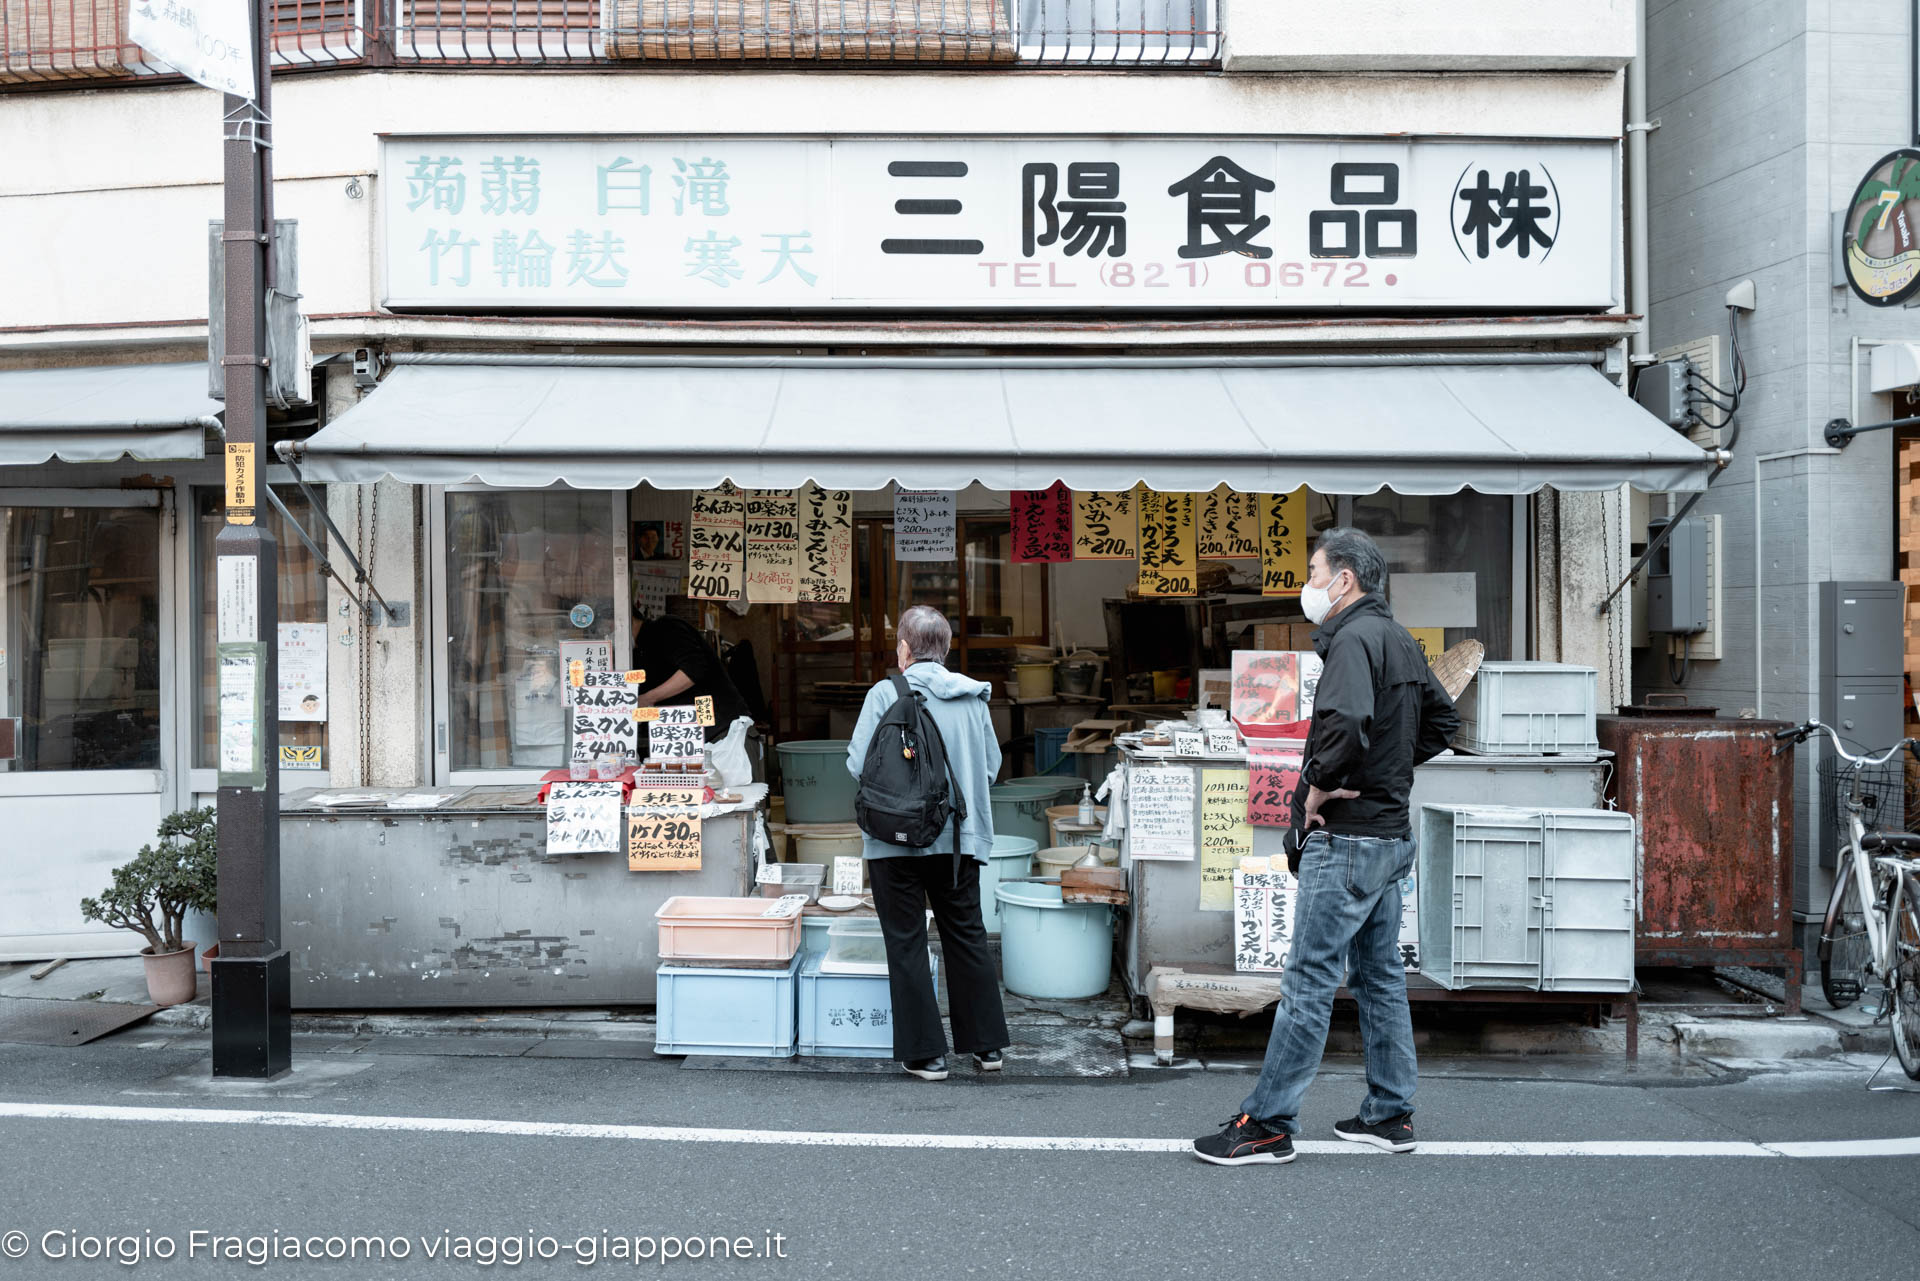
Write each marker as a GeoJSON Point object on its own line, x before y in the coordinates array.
{"type": "Point", "coordinates": [1301, 636]}
{"type": "Point", "coordinates": [1272, 636]}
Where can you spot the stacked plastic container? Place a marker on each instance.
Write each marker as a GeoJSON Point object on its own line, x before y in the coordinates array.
{"type": "Point", "coordinates": [727, 978]}
{"type": "Point", "coordinates": [845, 1004]}
{"type": "Point", "coordinates": [1530, 709]}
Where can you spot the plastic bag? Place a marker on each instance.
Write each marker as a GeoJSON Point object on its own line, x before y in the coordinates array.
{"type": "Point", "coordinates": [729, 755]}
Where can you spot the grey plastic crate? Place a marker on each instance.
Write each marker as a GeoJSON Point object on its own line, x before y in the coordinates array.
{"type": "Point", "coordinates": [1530, 709]}
{"type": "Point", "coordinates": [1526, 899]}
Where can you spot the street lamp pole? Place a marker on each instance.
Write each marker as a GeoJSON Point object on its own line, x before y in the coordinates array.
{"type": "Point", "coordinates": [252, 986]}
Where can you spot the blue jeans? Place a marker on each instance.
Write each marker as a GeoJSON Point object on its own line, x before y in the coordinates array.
{"type": "Point", "coordinates": [1346, 920]}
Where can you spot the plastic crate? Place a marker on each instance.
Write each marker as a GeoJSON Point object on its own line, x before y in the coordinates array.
{"type": "Point", "coordinates": [847, 1016]}
{"type": "Point", "coordinates": [737, 1013]}
{"type": "Point", "coordinates": [1529, 899]}
{"type": "Point", "coordinates": [725, 933]}
{"type": "Point", "coordinates": [1530, 709]}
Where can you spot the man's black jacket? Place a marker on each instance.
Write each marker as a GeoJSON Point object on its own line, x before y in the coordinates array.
{"type": "Point", "coordinates": [1378, 713]}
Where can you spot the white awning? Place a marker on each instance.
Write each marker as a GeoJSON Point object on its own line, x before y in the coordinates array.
{"type": "Point", "coordinates": [777, 423]}
{"type": "Point", "coordinates": [155, 413]}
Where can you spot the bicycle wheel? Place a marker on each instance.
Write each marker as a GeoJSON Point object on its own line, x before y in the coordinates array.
{"type": "Point", "coordinates": [1843, 943]}
{"type": "Point", "coordinates": [1904, 981]}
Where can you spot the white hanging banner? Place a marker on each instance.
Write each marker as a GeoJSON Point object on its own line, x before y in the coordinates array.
{"type": "Point", "coordinates": [204, 40]}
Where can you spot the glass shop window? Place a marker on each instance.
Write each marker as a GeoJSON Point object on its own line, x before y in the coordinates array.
{"type": "Point", "coordinates": [1450, 565]}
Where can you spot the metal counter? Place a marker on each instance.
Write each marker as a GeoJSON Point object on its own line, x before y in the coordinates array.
{"type": "Point", "coordinates": [1167, 927]}
{"type": "Point", "coordinates": [463, 906]}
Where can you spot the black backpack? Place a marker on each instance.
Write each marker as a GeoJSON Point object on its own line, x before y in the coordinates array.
{"type": "Point", "coordinates": [907, 787]}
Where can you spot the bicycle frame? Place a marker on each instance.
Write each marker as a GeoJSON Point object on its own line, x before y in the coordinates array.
{"type": "Point", "coordinates": [1861, 866]}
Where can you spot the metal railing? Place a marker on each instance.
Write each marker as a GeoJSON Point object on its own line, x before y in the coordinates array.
{"type": "Point", "coordinates": [51, 40]}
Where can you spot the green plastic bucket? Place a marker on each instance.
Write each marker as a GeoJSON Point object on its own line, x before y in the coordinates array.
{"type": "Point", "coordinates": [1021, 810]}
{"type": "Point", "coordinates": [1052, 949]}
{"type": "Point", "coordinates": [1012, 859]}
{"type": "Point", "coordinates": [1065, 789]}
{"type": "Point", "coordinates": [818, 787]}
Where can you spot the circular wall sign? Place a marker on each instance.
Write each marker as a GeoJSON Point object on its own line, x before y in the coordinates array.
{"type": "Point", "coordinates": [1883, 231]}
{"type": "Point", "coordinates": [581, 616]}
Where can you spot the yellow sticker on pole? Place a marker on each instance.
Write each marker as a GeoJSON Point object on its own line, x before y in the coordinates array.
{"type": "Point", "coordinates": [240, 483]}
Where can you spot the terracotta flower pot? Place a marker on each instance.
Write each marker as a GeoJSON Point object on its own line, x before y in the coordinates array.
{"type": "Point", "coordinates": [170, 978]}
{"type": "Point", "coordinates": [208, 957]}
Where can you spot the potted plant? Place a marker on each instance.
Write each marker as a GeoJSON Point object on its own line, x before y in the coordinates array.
{"type": "Point", "coordinates": [152, 894]}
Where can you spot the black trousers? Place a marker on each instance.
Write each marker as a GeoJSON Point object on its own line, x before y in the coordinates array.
{"type": "Point", "coordinates": [903, 889]}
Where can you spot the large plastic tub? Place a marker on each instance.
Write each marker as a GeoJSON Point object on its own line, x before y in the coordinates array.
{"type": "Point", "coordinates": [1051, 949]}
{"type": "Point", "coordinates": [815, 781]}
{"type": "Point", "coordinates": [1065, 788]}
{"type": "Point", "coordinates": [1530, 709]}
{"type": "Point", "coordinates": [1011, 859]}
{"type": "Point", "coordinates": [1020, 809]}
{"type": "Point", "coordinates": [738, 1013]}
{"type": "Point", "coordinates": [732, 932]}
{"type": "Point", "coordinates": [1529, 899]}
{"type": "Point", "coordinates": [848, 1016]}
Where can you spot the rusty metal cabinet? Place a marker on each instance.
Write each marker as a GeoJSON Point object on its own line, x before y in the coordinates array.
{"type": "Point", "coordinates": [1715, 834]}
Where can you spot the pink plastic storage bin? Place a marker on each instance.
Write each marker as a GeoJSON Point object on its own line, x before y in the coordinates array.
{"type": "Point", "coordinates": [732, 930]}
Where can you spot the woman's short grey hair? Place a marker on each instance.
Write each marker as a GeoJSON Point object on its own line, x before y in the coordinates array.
{"type": "Point", "coordinates": [926, 633]}
{"type": "Point", "coordinates": [1347, 548]}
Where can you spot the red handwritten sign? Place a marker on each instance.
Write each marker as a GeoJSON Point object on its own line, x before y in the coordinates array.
{"type": "Point", "coordinates": [1043, 524]}
{"type": "Point", "coordinates": [1276, 775]}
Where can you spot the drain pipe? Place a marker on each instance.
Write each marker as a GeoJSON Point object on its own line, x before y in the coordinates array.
{"type": "Point", "coordinates": [1637, 128]}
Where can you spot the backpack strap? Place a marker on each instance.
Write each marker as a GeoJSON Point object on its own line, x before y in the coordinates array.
{"type": "Point", "coordinates": [953, 780]}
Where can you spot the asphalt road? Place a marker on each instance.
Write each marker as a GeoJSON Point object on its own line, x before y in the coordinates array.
{"type": "Point", "coordinates": [886, 1213]}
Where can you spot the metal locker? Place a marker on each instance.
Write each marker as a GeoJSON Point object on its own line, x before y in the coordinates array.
{"type": "Point", "coordinates": [1862, 631]}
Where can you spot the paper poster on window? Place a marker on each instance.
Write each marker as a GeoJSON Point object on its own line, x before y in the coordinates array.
{"type": "Point", "coordinates": [603, 727]}
{"type": "Point", "coordinates": [1225, 835]}
{"type": "Point", "coordinates": [1042, 521]}
{"type": "Point", "coordinates": [1229, 525]}
{"type": "Point", "coordinates": [675, 735]}
{"type": "Point", "coordinates": [1266, 687]}
{"type": "Point", "coordinates": [584, 818]}
{"type": "Point", "coordinates": [717, 545]}
{"type": "Point", "coordinates": [1103, 524]}
{"type": "Point", "coordinates": [303, 671]}
{"type": "Point", "coordinates": [239, 710]}
{"type": "Point", "coordinates": [652, 583]}
{"type": "Point", "coordinates": [236, 605]}
{"type": "Point", "coordinates": [663, 838]}
{"type": "Point", "coordinates": [773, 546]}
{"type": "Point", "coordinates": [1284, 532]}
{"type": "Point", "coordinates": [1169, 559]}
{"type": "Point", "coordinates": [924, 525]}
{"type": "Point", "coordinates": [1273, 778]}
{"type": "Point", "coordinates": [1263, 904]}
{"type": "Point", "coordinates": [826, 545]}
{"type": "Point", "coordinates": [593, 656]}
{"type": "Point", "coordinates": [1160, 814]}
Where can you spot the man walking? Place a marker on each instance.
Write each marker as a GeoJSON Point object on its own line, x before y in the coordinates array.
{"type": "Point", "coordinates": [1378, 713]}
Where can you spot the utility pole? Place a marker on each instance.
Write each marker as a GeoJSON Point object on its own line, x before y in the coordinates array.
{"type": "Point", "coordinates": [252, 983]}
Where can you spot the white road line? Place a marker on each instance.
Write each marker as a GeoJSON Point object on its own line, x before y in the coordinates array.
{"type": "Point", "coordinates": [942, 1142]}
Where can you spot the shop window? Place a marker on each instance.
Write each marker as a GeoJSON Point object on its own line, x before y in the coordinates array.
{"type": "Point", "coordinates": [80, 636]}
{"type": "Point", "coordinates": [1450, 534]}
{"type": "Point", "coordinates": [303, 600]}
{"type": "Point", "coordinates": [526, 572]}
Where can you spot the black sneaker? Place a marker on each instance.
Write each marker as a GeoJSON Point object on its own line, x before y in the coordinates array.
{"type": "Point", "coordinates": [1245, 1141]}
{"type": "Point", "coordinates": [989, 1062]}
{"type": "Point", "coordinates": [1393, 1135]}
{"type": "Point", "coordinates": [933, 1069]}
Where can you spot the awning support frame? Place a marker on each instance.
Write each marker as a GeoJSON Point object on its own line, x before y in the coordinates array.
{"type": "Point", "coordinates": [386, 612]}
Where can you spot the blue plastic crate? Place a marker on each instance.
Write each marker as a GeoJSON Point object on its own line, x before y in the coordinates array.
{"type": "Point", "coordinates": [847, 1016]}
{"type": "Point", "coordinates": [739, 1013]}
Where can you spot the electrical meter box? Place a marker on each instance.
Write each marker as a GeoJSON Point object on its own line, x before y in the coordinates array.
{"type": "Point", "coordinates": [1677, 579]}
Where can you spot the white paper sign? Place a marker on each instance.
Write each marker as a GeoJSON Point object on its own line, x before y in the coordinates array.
{"type": "Point", "coordinates": [303, 671]}
{"type": "Point", "coordinates": [584, 818]}
{"type": "Point", "coordinates": [1262, 920]}
{"type": "Point", "coordinates": [676, 735]}
{"type": "Point", "coordinates": [785, 906]}
{"type": "Point", "coordinates": [923, 525]}
{"type": "Point", "coordinates": [593, 656]}
{"type": "Point", "coordinates": [1311, 665]}
{"type": "Point", "coordinates": [1160, 814]}
{"type": "Point", "coordinates": [204, 40]}
{"type": "Point", "coordinates": [1222, 740]}
{"type": "Point", "coordinates": [603, 725]}
{"type": "Point", "coordinates": [1410, 922]}
{"type": "Point", "coordinates": [849, 875]}
{"type": "Point", "coordinates": [1189, 743]}
{"type": "Point", "coordinates": [236, 606]}
{"type": "Point", "coordinates": [239, 718]}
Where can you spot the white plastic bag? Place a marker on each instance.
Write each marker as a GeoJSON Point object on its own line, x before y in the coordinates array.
{"type": "Point", "coordinates": [729, 755]}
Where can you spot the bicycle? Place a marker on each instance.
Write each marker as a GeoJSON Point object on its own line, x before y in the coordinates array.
{"type": "Point", "coordinates": [1870, 937]}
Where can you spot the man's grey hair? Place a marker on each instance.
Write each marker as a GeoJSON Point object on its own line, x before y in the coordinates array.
{"type": "Point", "coordinates": [926, 633]}
{"type": "Point", "coordinates": [1347, 548]}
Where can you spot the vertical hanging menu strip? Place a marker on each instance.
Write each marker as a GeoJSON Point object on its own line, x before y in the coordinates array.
{"type": "Point", "coordinates": [1229, 525]}
{"type": "Point", "coordinates": [1042, 521]}
{"type": "Point", "coordinates": [773, 546]}
{"type": "Point", "coordinates": [1283, 543]}
{"type": "Point", "coordinates": [826, 545]}
{"type": "Point", "coordinates": [1169, 560]}
{"type": "Point", "coordinates": [717, 544]}
{"type": "Point", "coordinates": [1103, 525]}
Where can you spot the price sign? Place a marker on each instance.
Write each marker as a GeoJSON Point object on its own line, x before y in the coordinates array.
{"type": "Point", "coordinates": [703, 710]}
{"type": "Point", "coordinates": [663, 839]}
{"type": "Point", "coordinates": [1169, 550]}
{"type": "Point", "coordinates": [1283, 543]}
{"type": "Point", "coordinates": [1275, 777]}
{"type": "Point", "coordinates": [1263, 905]}
{"type": "Point", "coordinates": [769, 874]}
{"type": "Point", "coordinates": [1160, 813]}
{"type": "Point", "coordinates": [583, 818]}
{"type": "Point", "coordinates": [603, 726]}
{"type": "Point", "coordinates": [675, 735]}
{"type": "Point", "coordinates": [1222, 740]}
{"type": "Point", "coordinates": [1189, 743]}
{"type": "Point", "coordinates": [1103, 524]}
{"type": "Point", "coordinates": [1042, 524]}
{"type": "Point", "coordinates": [787, 905]}
{"type": "Point", "coordinates": [849, 875]}
{"type": "Point", "coordinates": [1229, 525]}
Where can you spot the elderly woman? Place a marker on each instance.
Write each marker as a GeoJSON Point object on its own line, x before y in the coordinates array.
{"type": "Point", "coordinates": [907, 881]}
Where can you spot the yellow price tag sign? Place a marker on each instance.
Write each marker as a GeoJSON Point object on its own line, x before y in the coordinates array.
{"type": "Point", "coordinates": [703, 710]}
{"type": "Point", "coordinates": [646, 713]}
{"type": "Point", "coordinates": [635, 677]}
{"type": "Point", "coordinates": [576, 673]}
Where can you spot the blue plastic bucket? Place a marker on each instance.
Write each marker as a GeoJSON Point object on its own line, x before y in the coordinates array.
{"type": "Point", "coordinates": [1048, 757]}
{"type": "Point", "coordinates": [1051, 949]}
{"type": "Point", "coordinates": [1066, 791]}
{"type": "Point", "coordinates": [1012, 858]}
{"type": "Point", "coordinates": [1021, 810]}
{"type": "Point", "coordinates": [817, 786]}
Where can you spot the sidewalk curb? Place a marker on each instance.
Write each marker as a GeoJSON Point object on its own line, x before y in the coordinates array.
{"type": "Point", "coordinates": [1783, 1038]}
{"type": "Point", "coordinates": [594, 1025]}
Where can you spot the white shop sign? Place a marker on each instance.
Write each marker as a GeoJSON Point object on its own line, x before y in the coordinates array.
{"type": "Point", "coordinates": [716, 222]}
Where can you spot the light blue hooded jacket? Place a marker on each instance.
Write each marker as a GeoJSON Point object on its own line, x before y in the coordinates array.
{"type": "Point", "coordinates": [958, 705]}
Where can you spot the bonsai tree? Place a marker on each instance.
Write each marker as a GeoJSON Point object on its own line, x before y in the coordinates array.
{"type": "Point", "coordinates": [153, 892]}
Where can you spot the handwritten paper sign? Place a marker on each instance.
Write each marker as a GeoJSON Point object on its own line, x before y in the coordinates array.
{"type": "Point", "coordinates": [1410, 922]}
{"type": "Point", "coordinates": [1229, 525]}
{"type": "Point", "coordinates": [1188, 742]}
{"type": "Point", "coordinates": [303, 671]}
{"type": "Point", "coordinates": [923, 524]}
{"type": "Point", "coordinates": [1103, 524]}
{"type": "Point", "coordinates": [1263, 904]}
{"type": "Point", "coordinates": [663, 838]}
{"type": "Point", "coordinates": [773, 546]}
{"type": "Point", "coordinates": [1169, 560]}
{"type": "Point", "coordinates": [1311, 665]}
{"type": "Point", "coordinates": [1223, 740]}
{"type": "Point", "coordinates": [1160, 814]}
{"type": "Point", "coordinates": [591, 655]}
{"type": "Point", "coordinates": [826, 545]}
{"type": "Point", "coordinates": [717, 545]}
{"type": "Point", "coordinates": [675, 735]}
{"type": "Point", "coordinates": [583, 818]}
{"type": "Point", "coordinates": [1266, 687]}
{"type": "Point", "coordinates": [849, 875]}
{"type": "Point", "coordinates": [1274, 776]}
{"type": "Point", "coordinates": [787, 905]}
{"type": "Point", "coordinates": [703, 710]}
{"type": "Point", "coordinates": [1284, 529]}
{"type": "Point", "coordinates": [1043, 524]}
{"type": "Point", "coordinates": [1225, 835]}
{"type": "Point", "coordinates": [603, 727]}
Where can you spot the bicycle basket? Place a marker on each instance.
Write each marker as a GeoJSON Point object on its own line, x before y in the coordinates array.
{"type": "Point", "coordinates": [1882, 790]}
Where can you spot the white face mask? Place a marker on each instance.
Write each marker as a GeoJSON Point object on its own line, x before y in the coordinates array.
{"type": "Point", "coordinates": [1317, 602]}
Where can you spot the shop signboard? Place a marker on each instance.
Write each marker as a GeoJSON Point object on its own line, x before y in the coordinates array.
{"type": "Point", "coordinates": [1882, 232]}
{"type": "Point", "coordinates": [1018, 223]}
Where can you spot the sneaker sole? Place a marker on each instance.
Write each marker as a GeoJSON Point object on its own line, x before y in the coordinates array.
{"type": "Point", "coordinates": [926, 1076]}
{"type": "Point", "coordinates": [988, 1067]}
{"type": "Point", "coordinates": [1385, 1145]}
{"type": "Point", "coordinates": [1256, 1158]}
